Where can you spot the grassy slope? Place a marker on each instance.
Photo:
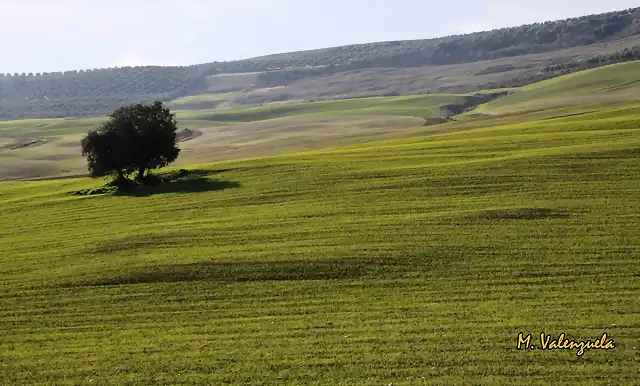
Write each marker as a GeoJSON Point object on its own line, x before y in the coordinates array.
{"type": "Point", "coordinates": [410, 261]}
{"type": "Point", "coordinates": [32, 128]}
{"type": "Point", "coordinates": [202, 101]}
{"type": "Point", "coordinates": [606, 84]}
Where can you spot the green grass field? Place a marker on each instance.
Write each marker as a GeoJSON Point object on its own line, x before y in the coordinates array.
{"type": "Point", "coordinates": [413, 260]}
{"type": "Point", "coordinates": [199, 102]}
{"type": "Point", "coordinates": [199, 99]}
{"type": "Point", "coordinates": [409, 261]}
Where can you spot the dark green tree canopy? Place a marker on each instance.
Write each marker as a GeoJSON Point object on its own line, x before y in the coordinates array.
{"type": "Point", "coordinates": [136, 138]}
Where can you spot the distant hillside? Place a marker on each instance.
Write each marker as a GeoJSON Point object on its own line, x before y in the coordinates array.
{"type": "Point", "coordinates": [96, 92]}
{"type": "Point", "coordinates": [506, 42]}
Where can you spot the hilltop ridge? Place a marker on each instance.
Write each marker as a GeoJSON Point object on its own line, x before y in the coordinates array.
{"type": "Point", "coordinates": [613, 35]}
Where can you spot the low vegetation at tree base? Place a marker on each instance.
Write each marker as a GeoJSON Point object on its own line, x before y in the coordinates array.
{"type": "Point", "coordinates": [176, 181]}
{"type": "Point", "coordinates": [410, 261]}
{"type": "Point", "coordinates": [136, 138]}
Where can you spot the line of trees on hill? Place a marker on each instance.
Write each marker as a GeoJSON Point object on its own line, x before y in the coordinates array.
{"type": "Point", "coordinates": [626, 55]}
{"type": "Point", "coordinates": [92, 92]}
{"type": "Point", "coordinates": [505, 42]}
{"type": "Point", "coordinates": [96, 92]}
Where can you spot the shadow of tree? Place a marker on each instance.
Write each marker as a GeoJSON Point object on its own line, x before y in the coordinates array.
{"type": "Point", "coordinates": [193, 185]}
{"type": "Point", "coordinates": [179, 181]}
{"type": "Point", "coordinates": [255, 271]}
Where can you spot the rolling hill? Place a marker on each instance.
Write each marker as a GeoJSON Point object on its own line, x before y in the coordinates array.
{"type": "Point", "coordinates": [50, 147]}
{"type": "Point", "coordinates": [337, 242]}
{"type": "Point", "coordinates": [408, 261]}
{"type": "Point", "coordinates": [42, 148]}
{"type": "Point", "coordinates": [455, 64]}
{"type": "Point", "coordinates": [615, 83]}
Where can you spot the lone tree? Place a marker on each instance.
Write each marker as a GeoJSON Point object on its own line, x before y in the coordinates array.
{"type": "Point", "coordinates": [136, 138]}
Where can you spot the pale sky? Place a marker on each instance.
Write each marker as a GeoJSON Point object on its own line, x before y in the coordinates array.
{"type": "Point", "coordinates": [58, 35]}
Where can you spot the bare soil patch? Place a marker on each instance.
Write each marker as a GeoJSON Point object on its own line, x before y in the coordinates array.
{"type": "Point", "coordinates": [188, 134]}
{"type": "Point", "coordinates": [437, 121]}
{"type": "Point", "coordinates": [265, 89]}
{"type": "Point", "coordinates": [25, 143]}
{"type": "Point", "coordinates": [289, 102]}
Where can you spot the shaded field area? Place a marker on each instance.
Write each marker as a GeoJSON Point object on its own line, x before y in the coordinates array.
{"type": "Point", "coordinates": [408, 261]}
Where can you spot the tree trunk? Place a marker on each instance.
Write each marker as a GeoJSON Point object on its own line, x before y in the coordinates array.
{"type": "Point", "coordinates": [141, 171]}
